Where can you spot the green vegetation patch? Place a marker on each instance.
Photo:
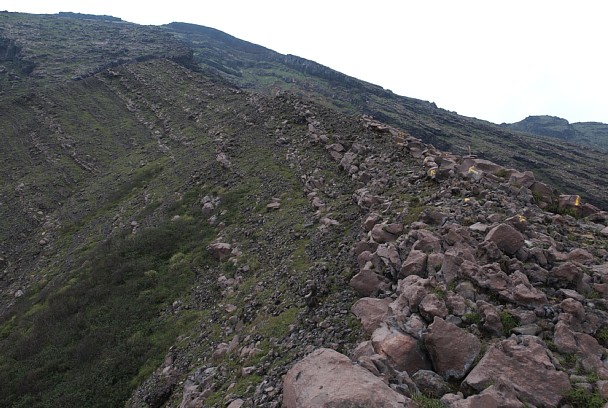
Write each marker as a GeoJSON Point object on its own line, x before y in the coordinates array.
{"type": "Point", "coordinates": [509, 322]}
{"type": "Point", "coordinates": [427, 402]}
{"type": "Point", "coordinates": [580, 398]}
{"type": "Point", "coordinates": [278, 326]}
{"type": "Point", "coordinates": [98, 336]}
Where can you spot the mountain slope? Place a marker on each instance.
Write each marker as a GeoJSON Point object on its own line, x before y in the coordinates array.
{"type": "Point", "coordinates": [574, 171]}
{"type": "Point", "coordinates": [171, 239]}
{"type": "Point", "coordinates": [98, 257]}
{"type": "Point", "coordinates": [592, 134]}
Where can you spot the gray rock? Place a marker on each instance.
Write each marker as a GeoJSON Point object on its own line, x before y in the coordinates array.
{"type": "Point", "coordinates": [430, 383]}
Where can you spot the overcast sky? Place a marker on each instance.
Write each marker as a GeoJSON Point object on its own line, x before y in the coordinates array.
{"type": "Point", "coordinates": [495, 60]}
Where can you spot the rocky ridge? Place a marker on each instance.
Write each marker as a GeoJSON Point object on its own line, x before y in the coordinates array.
{"type": "Point", "coordinates": [472, 294]}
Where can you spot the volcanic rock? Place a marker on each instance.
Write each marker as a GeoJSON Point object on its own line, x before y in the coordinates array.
{"type": "Point", "coordinates": [452, 349]}
{"type": "Point", "coordinates": [326, 378]}
{"type": "Point", "coordinates": [524, 364]}
{"type": "Point", "coordinates": [507, 238]}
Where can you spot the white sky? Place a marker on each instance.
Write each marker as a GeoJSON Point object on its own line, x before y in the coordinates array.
{"type": "Point", "coordinates": [495, 60]}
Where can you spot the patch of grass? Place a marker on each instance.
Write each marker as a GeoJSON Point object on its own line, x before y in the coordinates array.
{"type": "Point", "coordinates": [602, 336]}
{"type": "Point", "coordinates": [569, 361]}
{"type": "Point", "coordinates": [594, 294]}
{"type": "Point", "coordinates": [440, 293]}
{"type": "Point", "coordinates": [278, 326]}
{"type": "Point", "coordinates": [580, 398]}
{"type": "Point", "coordinates": [502, 173]}
{"type": "Point", "coordinates": [101, 333]}
{"type": "Point", "coordinates": [509, 322]}
{"type": "Point", "coordinates": [472, 317]}
{"type": "Point", "coordinates": [413, 214]}
{"type": "Point", "coordinates": [427, 402]}
{"type": "Point", "coordinates": [245, 382]}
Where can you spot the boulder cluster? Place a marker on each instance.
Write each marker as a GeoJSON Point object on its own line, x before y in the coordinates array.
{"type": "Point", "coordinates": [480, 286]}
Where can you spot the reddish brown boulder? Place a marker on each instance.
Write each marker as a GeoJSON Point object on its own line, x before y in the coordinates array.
{"type": "Point", "coordinates": [525, 179]}
{"type": "Point", "coordinates": [488, 276]}
{"type": "Point", "coordinates": [402, 350]}
{"type": "Point", "coordinates": [574, 307]}
{"type": "Point", "coordinates": [527, 295]}
{"type": "Point", "coordinates": [415, 264]}
{"type": "Point", "coordinates": [451, 265]}
{"type": "Point", "coordinates": [371, 220]}
{"type": "Point", "coordinates": [506, 238]}
{"type": "Point", "coordinates": [456, 304]}
{"type": "Point", "coordinates": [581, 256]}
{"type": "Point", "coordinates": [362, 349]}
{"type": "Point", "coordinates": [520, 291]}
{"type": "Point", "coordinates": [382, 233]}
{"type": "Point", "coordinates": [498, 395]}
{"type": "Point", "coordinates": [432, 306]}
{"type": "Point", "coordinates": [543, 194]}
{"type": "Point", "coordinates": [430, 383]}
{"type": "Point", "coordinates": [412, 290]}
{"type": "Point", "coordinates": [427, 242]}
{"type": "Point", "coordinates": [524, 364]}
{"type": "Point", "coordinates": [564, 338]}
{"type": "Point", "coordinates": [371, 311]}
{"type": "Point", "coordinates": [569, 202]}
{"type": "Point", "coordinates": [364, 246]}
{"type": "Point", "coordinates": [452, 349]}
{"type": "Point", "coordinates": [220, 250]}
{"type": "Point", "coordinates": [368, 283]}
{"type": "Point", "coordinates": [490, 318]}
{"type": "Point", "coordinates": [566, 273]}
{"type": "Point", "coordinates": [602, 388]}
{"type": "Point", "coordinates": [389, 255]}
{"type": "Point", "coordinates": [326, 378]}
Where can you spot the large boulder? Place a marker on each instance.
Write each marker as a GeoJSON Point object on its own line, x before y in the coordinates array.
{"type": "Point", "coordinates": [220, 250]}
{"type": "Point", "coordinates": [382, 233]}
{"type": "Point", "coordinates": [371, 311]}
{"type": "Point", "coordinates": [566, 274]}
{"type": "Point", "coordinates": [415, 264]}
{"type": "Point", "coordinates": [452, 349]}
{"type": "Point", "coordinates": [498, 395]}
{"type": "Point", "coordinates": [432, 306]}
{"type": "Point", "coordinates": [368, 283]}
{"type": "Point", "coordinates": [326, 378]}
{"type": "Point", "coordinates": [523, 363]}
{"type": "Point", "coordinates": [401, 350]}
{"type": "Point", "coordinates": [507, 238]}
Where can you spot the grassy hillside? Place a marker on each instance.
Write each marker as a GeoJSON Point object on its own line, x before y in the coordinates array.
{"type": "Point", "coordinates": [114, 238]}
